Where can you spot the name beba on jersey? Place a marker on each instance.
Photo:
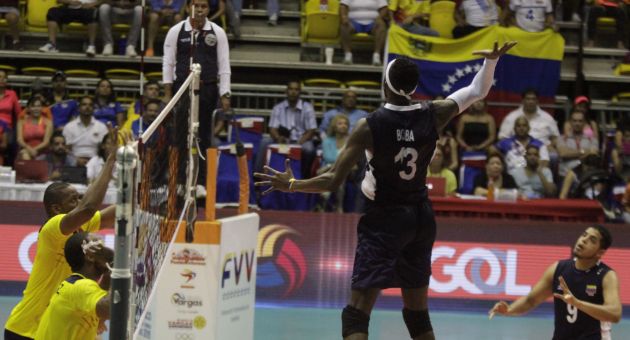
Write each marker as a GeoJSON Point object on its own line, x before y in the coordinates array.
{"type": "Point", "coordinates": [404, 135]}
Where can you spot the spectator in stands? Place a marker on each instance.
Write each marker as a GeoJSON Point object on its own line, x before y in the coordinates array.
{"type": "Point", "coordinates": [514, 148]}
{"type": "Point", "coordinates": [83, 11]}
{"type": "Point", "coordinates": [84, 133]}
{"type": "Point", "coordinates": [589, 180]}
{"type": "Point", "coordinates": [437, 169]}
{"type": "Point", "coordinates": [292, 122]}
{"type": "Point", "coordinates": [534, 180]}
{"type": "Point", "coordinates": [574, 146]}
{"type": "Point", "coordinates": [95, 164]}
{"type": "Point", "coordinates": [336, 137]}
{"type": "Point", "coordinates": [607, 8]}
{"type": "Point", "coordinates": [150, 91]}
{"type": "Point", "coordinates": [273, 10]}
{"type": "Point", "coordinates": [542, 125]}
{"type": "Point", "coordinates": [626, 204]}
{"type": "Point", "coordinates": [4, 144]}
{"type": "Point", "coordinates": [62, 107]}
{"type": "Point", "coordinates": [33, 130]}
{"type": "Point", "coordinates": [531, 15]}
{"type": "Point", "coordinates": [58, 157]}
{"type": "Point", "coordinates": [9, 11]}
{"type": "Point", "coordinates": [494, 177]}
{"type": "Point", "coordinates": [217, 9]}
{"type": "Point", "coordinates": [412, 15]}
{"type": "Point", "coordinates": [621, 153]}
{"type": "Point", "coordinates": [151, 110]}
{"type": "Point", "coordinates": [348, 108]}
{"type": "Point", "coordinates": [37, 90]}
{"type": "Point", "coordinates": [363, 16]}
{"type": "Point", "coordinates": [120, 11]}
{"type": "Point", "coordinates": [106, 108]}
{"type": "Point", "coordinates": [473, 15]}
{"type": "Point", "coordinates": [9, 105]}
{"type": "Point", "coordinates": [449, 149]}
{"type": "Point", "coordinates": [591, 129]}
{"type": "Point", "coordinates": [476, 129]}
{"type": "Point", "coordinates": [163, 13]}
{"type": "Point", "coordinates": [234, 9]}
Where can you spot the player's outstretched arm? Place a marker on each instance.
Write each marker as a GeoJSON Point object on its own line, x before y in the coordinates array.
{"type": "Point", "coordinates": [359, 140]}
{"type": "Point", "coordinates": [610, 311]}
{"type": "Point", "coordinates": [541, 291]}
{"type": "Point", "coordinates": [478, 89]}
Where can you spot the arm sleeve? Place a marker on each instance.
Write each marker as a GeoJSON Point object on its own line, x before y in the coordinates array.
{"type": "Point", "coordinates": [311, 122]}
{"type": "Point", "coordinates": [223, 58]}
{"type": "Point", "coordinates": [170, 50]}
{"type": "Point", "coordinates": [507, 126]}
{"type": "Point", "coordinates": [544, 153]}
{"type": "Point", "coordinates": [88, 295]}
{"type": "Point", "coordinates": [479, 87]}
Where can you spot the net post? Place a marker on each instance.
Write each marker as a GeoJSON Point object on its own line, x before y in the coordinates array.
{"type": "Point", "coordinates": [121, 271]}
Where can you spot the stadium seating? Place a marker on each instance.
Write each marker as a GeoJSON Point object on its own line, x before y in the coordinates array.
{"type": "Point", "coordinates": [36, 14]}
{"type": "Point", "coordinates": [320, 22]}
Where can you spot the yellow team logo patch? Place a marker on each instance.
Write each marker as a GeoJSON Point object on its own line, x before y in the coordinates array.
{"type": "Point", "coordinates": [591, 290]}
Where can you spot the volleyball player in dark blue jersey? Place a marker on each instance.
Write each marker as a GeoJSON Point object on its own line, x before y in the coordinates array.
{"type": "Point", "coordinates": [396, 233]}
{"type": "Point", "coordinates": [585, 291]}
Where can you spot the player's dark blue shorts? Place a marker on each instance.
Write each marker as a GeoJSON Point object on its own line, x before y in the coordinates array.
{"type": "Point", "coordinates": [394, 246]}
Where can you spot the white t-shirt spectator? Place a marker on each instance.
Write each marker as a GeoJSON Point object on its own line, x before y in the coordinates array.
{"type": "Point", "coordinates": [530, 14]}
{"type": "Point", "coordinates": [82, 3]}
{"type": "Point", "coordinates": [542, 126]}
{"type": "Point", "coordinates": [364, 11]}
{"type": "Point", "coordinates": [83, 139]}
{"type": "Point", "coordinates": [480, 13]}
{"type": "Point", "coordinates": [94, 167]}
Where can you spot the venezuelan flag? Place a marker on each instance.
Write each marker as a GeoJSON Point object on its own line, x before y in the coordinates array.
{"type": "Point", "coordinates": [447, 65]}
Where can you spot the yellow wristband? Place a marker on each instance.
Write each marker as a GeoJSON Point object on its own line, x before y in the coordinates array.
{"type": "Point", "coordinates": [291, 181]}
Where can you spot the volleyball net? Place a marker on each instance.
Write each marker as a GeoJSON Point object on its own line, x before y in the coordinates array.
{"type": "Point", "coordinates": [156, 197]}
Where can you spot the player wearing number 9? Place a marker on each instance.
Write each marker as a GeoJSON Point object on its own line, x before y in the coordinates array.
{"type": "Point", "coordinates": [396, 233]}
{"type": "Point", "coordinates": [585, 291]}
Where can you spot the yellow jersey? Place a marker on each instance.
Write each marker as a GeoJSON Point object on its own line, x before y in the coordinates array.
{"type": "Point", "coordinates": [71, 314]}
{"type": "Point", "coordinates": [405, 8]}
{"type": "Point", "coordinates": [49, 269]}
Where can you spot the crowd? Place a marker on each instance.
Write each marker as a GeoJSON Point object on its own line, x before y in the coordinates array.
{"type": "Point", "coordinates": [527, 151]}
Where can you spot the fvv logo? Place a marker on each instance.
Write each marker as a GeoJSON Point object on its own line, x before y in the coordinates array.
{"type": "Point", "coordinates": [233, 263]}
{"type": "Point", "coordinates": [465, 271]}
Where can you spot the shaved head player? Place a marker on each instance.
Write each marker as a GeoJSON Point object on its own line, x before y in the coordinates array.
{"type": "Point", "coordinates": [397, 231]}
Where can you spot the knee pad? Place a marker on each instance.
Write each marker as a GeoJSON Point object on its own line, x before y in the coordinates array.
{"type": "Point", "coordinates": [417, 321]}
{"type": "Point", "coordinates": [354, 320]}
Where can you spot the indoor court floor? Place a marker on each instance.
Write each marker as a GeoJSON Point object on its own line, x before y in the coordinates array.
{"type": "Point", "coordinates": [277, 323]}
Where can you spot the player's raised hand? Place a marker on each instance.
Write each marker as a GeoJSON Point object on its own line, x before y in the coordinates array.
{"type": "Point", "coordinates": [275, 179]}
{"type": "Point", "coordinates": [496, 51]}
{"type": "Point", "coordinates": [566, 295]}
{"type": "Point", "coordinates": [500, 308]}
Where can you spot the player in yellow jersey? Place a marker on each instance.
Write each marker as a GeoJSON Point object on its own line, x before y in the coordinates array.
{"type": "Point", "coordinates": [68, 213]}
{"type": "Point", "coordinates": [79, 303]}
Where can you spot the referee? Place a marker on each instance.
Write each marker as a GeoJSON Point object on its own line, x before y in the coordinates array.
{"type": "Point", "coordinates": [211, 51]}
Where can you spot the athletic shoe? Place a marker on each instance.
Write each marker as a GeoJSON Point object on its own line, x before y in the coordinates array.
{"type": "Point", "coordinates": [347, 58]}
{"type": "Point", "coordinates": [49, 48]}
{"type": "Point", "coordinates": [108, 49]}
{"type": "Point", "coordinates": [131, 51]}
{"type": "Point", "coordinates": [376, 59]}
{"type": "Point", "coordinates": [273, 20]}
{"type": "Point", "coordinates": [90, 51]}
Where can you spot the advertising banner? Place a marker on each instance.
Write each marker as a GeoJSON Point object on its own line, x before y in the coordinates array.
{"type": "Point", "coordinates": [306, 259]}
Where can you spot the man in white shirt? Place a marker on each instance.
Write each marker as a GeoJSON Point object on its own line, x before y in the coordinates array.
{"type": "Point", "coordinates": [531, 15]}
{"type": "Point", "coordinates": [363, 16]}
{"type": "Point", "coordinates": [574, 146]}
{"type": "Point", "coordinates": [211, 51]}
{"type": "Point", "coordinates": [84, 133]}
{"type": "Point", "coordinates": [542, 125]}
{"type": "Point", "coordinates": [473, 15]}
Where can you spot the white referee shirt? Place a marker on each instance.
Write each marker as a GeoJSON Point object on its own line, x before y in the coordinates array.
{"type": "Point", "coordinates": [223, 54]}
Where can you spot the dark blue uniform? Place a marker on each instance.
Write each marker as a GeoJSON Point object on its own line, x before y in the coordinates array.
{"type": "Point", "coordinates": [571, 323]}
{"type": "Point", "coordinates": [397, 231]}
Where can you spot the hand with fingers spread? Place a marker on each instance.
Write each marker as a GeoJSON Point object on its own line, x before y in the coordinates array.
{"type": "Point", "coordinates": [566, 295]}
{"type": "Point", "coordinates": [275, 179]}
{"type": "Point", "coordinates": [496, 52]}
